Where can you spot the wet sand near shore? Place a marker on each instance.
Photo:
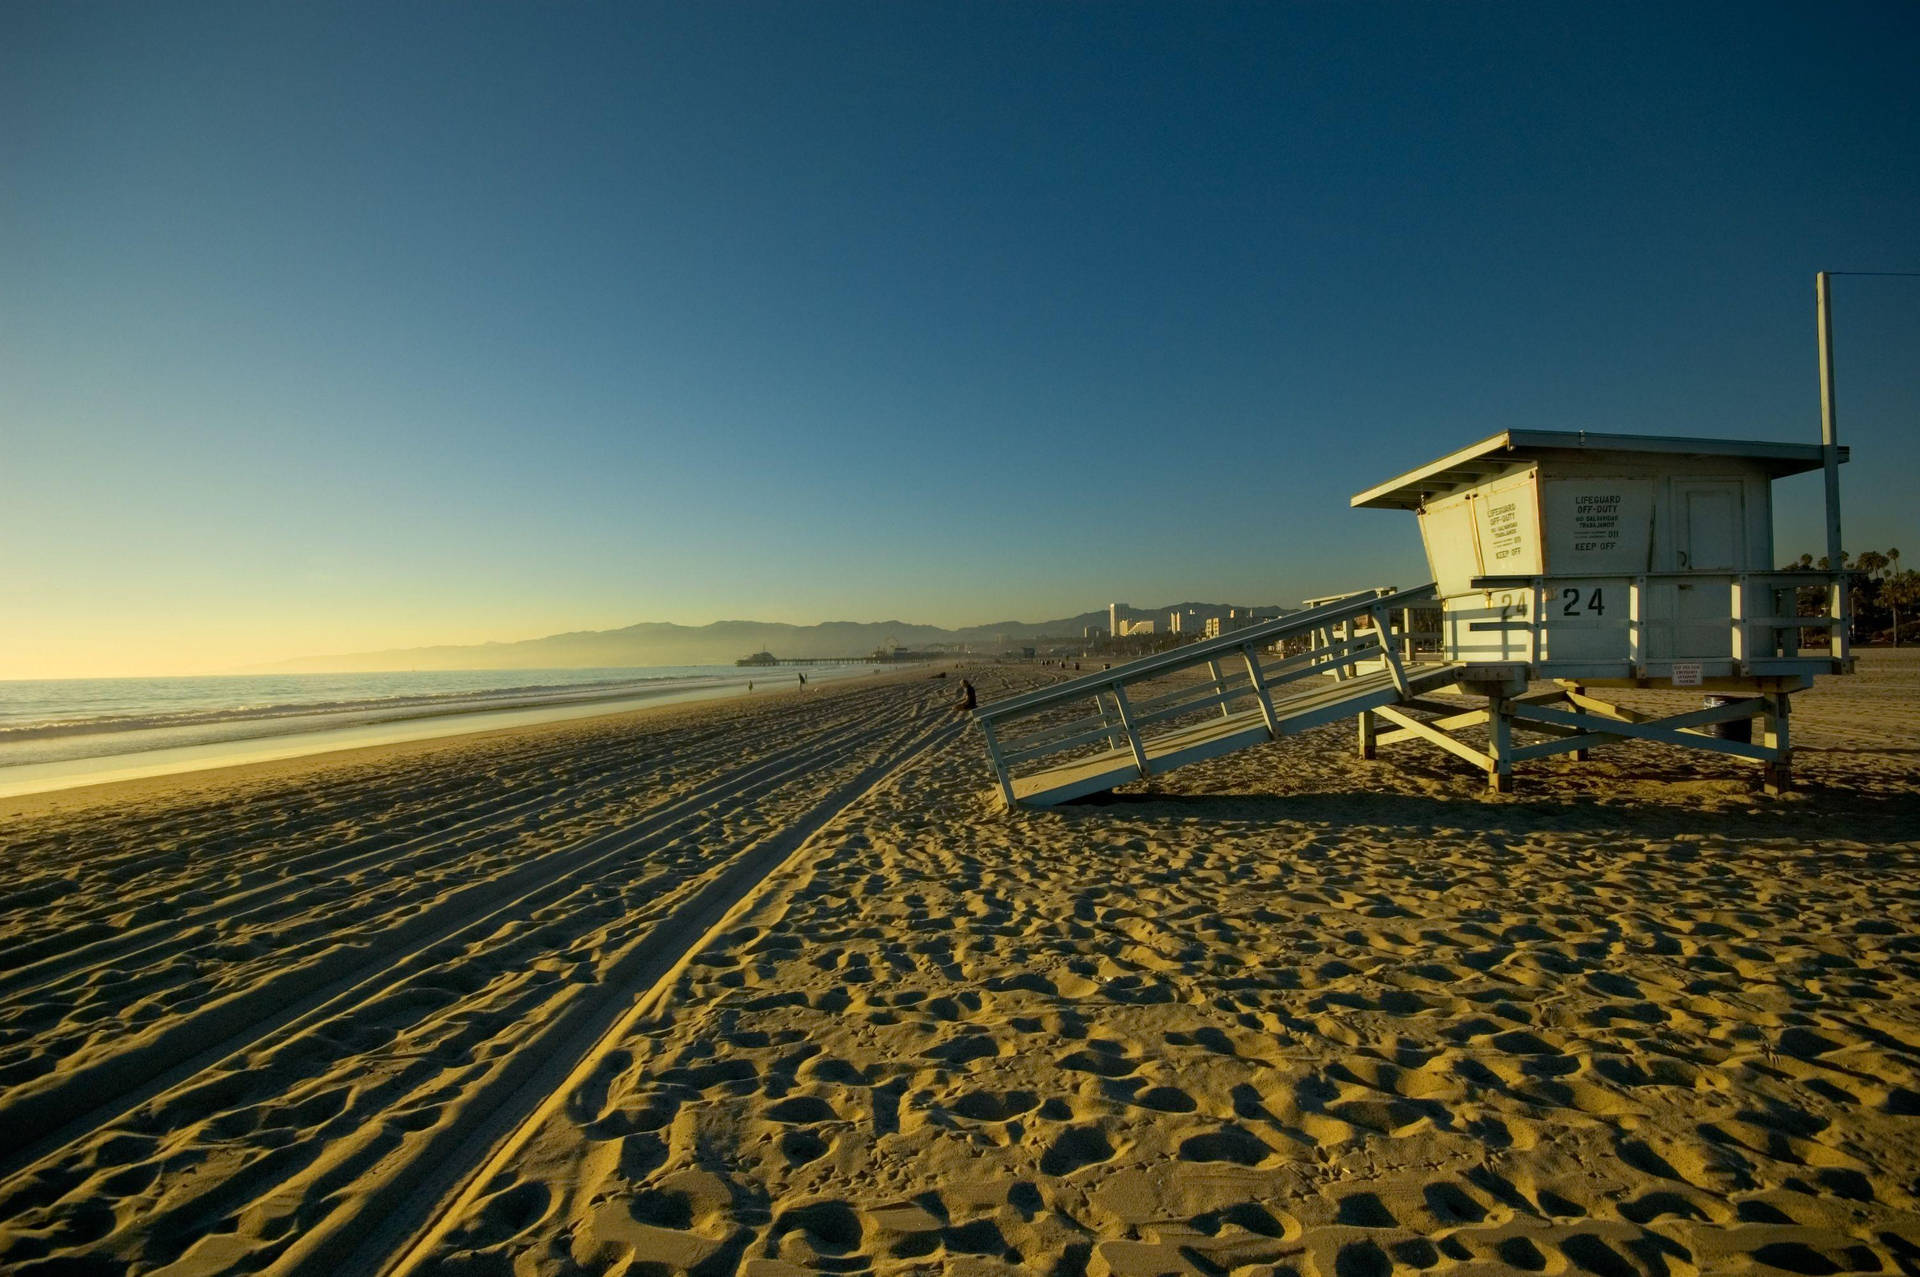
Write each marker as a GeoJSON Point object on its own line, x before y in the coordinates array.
{"type": "Point", "coordinates": [496, 1006]}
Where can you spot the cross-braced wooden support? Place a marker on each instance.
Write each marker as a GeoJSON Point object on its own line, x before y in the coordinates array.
{"type": "Point", "coordinates": [1573, 721]}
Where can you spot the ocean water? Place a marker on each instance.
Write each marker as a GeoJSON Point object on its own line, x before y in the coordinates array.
{"type": "Point", "coordinates": [58, 732]}
{"type": "Point", "coordinates": [40, 708]}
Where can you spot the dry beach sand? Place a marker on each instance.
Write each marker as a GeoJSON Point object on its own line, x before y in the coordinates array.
{"type": "Point", "coordinates": [776, 987]}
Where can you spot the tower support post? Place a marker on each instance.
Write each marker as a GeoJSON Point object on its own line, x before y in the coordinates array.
{"type": "Point", "coordinates": [1499, 745]}
{"type": "Point", "coordinates": [1777, 773]}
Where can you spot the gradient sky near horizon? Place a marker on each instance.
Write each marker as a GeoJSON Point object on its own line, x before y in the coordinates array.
{"type": "Point", "coordinates": [328, 328]}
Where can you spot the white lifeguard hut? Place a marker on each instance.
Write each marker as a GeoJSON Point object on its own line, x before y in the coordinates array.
{"type": "Point", "coordinates": [1615, 561]}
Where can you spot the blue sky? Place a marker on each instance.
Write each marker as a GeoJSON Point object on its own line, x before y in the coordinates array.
{"type": "Point", "coordinates": [327, 328]}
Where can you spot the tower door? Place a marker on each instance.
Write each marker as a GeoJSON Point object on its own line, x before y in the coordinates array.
{"type": "Point", "coordinates": [1710, 525]}
{"type": "Point", "coordinates": [1710, 539]}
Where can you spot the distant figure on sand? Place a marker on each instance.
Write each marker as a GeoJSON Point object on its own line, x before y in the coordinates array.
{"type": "Point", "coordinates": [803, 680]}
{"type": "Point", "coordinates": [967, 700]}
{"type": "Point", "coordinates": [749, 685]}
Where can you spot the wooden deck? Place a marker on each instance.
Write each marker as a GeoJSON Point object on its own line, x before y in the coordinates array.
{"type": "Point", "coordinates": [1310, 707]}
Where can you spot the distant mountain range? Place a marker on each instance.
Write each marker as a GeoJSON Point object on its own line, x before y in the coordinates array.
{"type": "Point", "coordinates": [663, 643]}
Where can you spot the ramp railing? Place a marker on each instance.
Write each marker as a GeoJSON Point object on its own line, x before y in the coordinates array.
{"type": "Point", "coordinates": [1226, 677]}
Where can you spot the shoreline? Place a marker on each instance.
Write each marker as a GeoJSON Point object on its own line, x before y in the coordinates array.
{"type": "Point", "coordinates": [285, 737]}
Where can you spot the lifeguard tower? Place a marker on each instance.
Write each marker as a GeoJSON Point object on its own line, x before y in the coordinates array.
{"type": "Point", "coordinates": [1580, 561]}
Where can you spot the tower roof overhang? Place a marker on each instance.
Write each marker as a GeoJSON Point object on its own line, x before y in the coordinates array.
{"type": "Point", "coordinates": [1496, 454]}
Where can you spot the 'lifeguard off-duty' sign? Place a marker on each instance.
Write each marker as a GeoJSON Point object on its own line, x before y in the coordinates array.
{"type": "Point", "coordinates": [1507, 527]}
{"type": "Point", "coordinates": [1518, 525]}
{"type": "Point", "coordinates": [1598, 525]}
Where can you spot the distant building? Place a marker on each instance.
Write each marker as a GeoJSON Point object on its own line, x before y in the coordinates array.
{"type": "Point", "coordinates": [1239, 618]}
{"type": "Point", "coordinates": [1128, 628]}
{"type": "Point", "coordinates": [1093, 632]}
{"type": "Point", "coordinates": [1115, 626]}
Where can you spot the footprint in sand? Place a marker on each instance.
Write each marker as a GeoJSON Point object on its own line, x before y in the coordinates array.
{"type": "Point", "coordinates": [1231, 1143]}
{"type": "Point", "coordinates": [1451, 1205]}
{"type": "Point", "coordinates": [1520, 1254]}
{"type": "Point", "coordinates": [802, 1109]}
{"type": "Point", "coordinates": [1075, 1147]}
{"type": "Point", "coordinates": [801, 1147]}
{"type": "Point", "coordinates": [1362, 1259]}
{"type": "Point", "coordinates": [1166, 1099]}
{"type": "Point", "coordinates": [964, 1049]}
{"type": "Point", "coordinates": [510, 1213]}
{"type": "Point", "coordinates": [1365, 1210]}
{"type": "Point", "coordinates": [1381, 1116]}
{"type": "Point", "coordinates": [989, 1106]}
{"type": "Point", "coordinates": [963, 1006]}
{"type": "Point", "coordinates": [1105, 1063]}
{"type": "Point", "coordinates": [1660, 1204]}
{"type": "Point", "coordinates": [802, 1233]}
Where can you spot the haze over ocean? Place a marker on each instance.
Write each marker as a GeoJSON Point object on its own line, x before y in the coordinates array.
{"type": "Point", "coordinates": [355, 327]}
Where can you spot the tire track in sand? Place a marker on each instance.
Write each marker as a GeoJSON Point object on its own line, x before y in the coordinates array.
{"type": "Point", "coordinates": [84, 962]}
{"type": "Point", "coordinates": [77, 1102]}
{"type": "Point", "coordinates": [440, 1190]}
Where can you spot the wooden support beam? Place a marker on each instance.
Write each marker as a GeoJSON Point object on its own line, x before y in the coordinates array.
{"type": "Point", "coordinates": [1465, 718]}
{"type": "Point", "coordinates": [1411, 727]}
{"type": "Point", "coordinates": [1567, 693]}
{"type": "Point", "coordinates": [1426, 706]}
{"type": "Point", "coordinates": [1367, 733]}
{"type": "Point", "coordinates": [1668, 731]}
{"type": "Point", "coordinates": [1572, 743]}
{"type": "Point", "coordinates": [1547, 729]}
{"type": "Point", "coordinates": [1606, 709]}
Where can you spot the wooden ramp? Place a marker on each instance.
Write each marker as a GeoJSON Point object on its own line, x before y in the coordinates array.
{"type": "Point", "coordinates": [1334, 660]}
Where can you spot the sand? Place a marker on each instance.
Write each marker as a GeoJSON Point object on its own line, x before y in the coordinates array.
{"type": "Point", "coordinates": [776, 987]}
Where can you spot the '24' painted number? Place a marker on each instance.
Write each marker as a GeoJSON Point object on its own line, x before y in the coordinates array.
{"type": "Point", "coordinates": [1570, 602]}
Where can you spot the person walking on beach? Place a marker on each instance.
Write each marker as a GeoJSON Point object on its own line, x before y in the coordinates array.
{"type": "Point", "coordinates": [803, 680]}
